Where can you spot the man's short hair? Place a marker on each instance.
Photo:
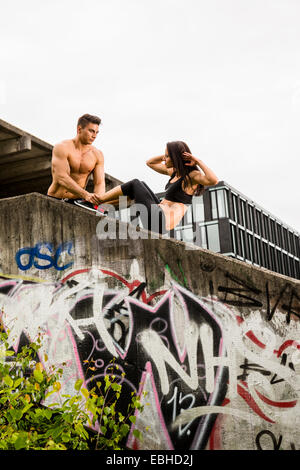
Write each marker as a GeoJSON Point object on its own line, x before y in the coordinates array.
{"type": "Point", "coordinates": [86, 118]}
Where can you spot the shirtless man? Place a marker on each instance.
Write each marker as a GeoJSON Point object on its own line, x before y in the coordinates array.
{"type": "Point", "coordinates": [74, 160]}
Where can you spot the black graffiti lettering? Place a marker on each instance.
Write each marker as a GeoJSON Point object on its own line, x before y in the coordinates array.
{"type": "Point", "coordinates": [270, 312]}
{"type": "Point", "coordinates": [211, 288]}
{"type": "Point", "coordinates": [240, 292]}
{"type": "Point", "coordinates": [276, 444]}
{"type": "Point", "coordinates": [71, 283]}
{"type": "Point", "coordinates": [290, 308]}
{"type": "Point", "coordinates": [246, 366]}
{"type": "Point", "coordinates": [118, 307]}
{"type": "Point", "coordinates": [283, 363]}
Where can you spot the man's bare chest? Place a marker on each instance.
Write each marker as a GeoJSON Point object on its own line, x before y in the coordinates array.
{"type": "Point", "coordinates": [82, 164]}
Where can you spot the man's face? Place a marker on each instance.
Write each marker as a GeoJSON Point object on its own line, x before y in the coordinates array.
{"type": "Point", "coordinates": [88, 133]}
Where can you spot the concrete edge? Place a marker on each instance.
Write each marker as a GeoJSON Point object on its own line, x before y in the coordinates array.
{"type": "Point", "coordinates": [180, 243]}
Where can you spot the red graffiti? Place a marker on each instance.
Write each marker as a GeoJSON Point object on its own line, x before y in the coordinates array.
{"type": "Point", "coordinates": [286, 345]}
{"type": "Point", "coordinates": [279, 404]}
{"type": "Point", "coordinates": [251, 402]}
{"type": "Point", "coordinates": [130, 285]}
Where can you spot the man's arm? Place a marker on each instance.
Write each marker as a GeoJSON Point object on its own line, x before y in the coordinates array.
{"type": "Point", "coordinates": [61, 173]}
{"type": "Point", "coordinates": [99, 175]}
{"type": "Point", "coordinates": [99, 179]}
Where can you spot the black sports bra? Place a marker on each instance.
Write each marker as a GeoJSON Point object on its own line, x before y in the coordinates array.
{"type": "Point", "coordinates": [175, 193]}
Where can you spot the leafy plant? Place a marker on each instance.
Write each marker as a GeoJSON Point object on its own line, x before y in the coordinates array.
{"type": "Point", "coordinates": [88, 419]}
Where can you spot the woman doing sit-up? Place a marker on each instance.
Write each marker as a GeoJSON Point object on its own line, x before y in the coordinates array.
{"type": "Point", "coordinates": [188, 178]}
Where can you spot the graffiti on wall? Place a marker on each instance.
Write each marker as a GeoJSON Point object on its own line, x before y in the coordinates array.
{"type": "Point", "coordinates": [45, 256]}
{"type": "Point", "coordinates": [206, 367]}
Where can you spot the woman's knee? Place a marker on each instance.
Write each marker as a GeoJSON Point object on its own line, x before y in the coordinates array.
{"type": "Point", "coordinates": [136, 184]}
{"type": "Point", "coordinates": [131, 188]}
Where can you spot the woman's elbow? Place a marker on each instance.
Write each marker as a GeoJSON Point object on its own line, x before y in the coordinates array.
{"type": "Point", "coordinates": [212, 181]}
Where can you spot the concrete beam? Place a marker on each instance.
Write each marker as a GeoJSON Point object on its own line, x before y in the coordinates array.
{"type": "Point", "coordinates": [21, 171]}
{"type": "Point", "coordinates": [13, 146]}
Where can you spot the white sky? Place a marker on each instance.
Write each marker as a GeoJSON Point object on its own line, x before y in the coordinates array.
{"type": "Point", "coordinates": [222, 75]}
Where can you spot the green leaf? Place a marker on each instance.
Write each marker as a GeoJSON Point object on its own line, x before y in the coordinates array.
{"type": "Point", "coordinates": [27, 407]}
{"type": "Point", "coordinates": [65, 437]}
{"type": "Point", "coordinates": [107, 410]}
{"type": "Point", "coordinates": [85, 392]}
{"type": "Point", "coordinates": [92, 408]}
{"type": "Point", "coordinates": [9, 353]}
{"type": "Point", "coordinates": [48, 433]}
{"type": "Point", "coordinates": [103, 430]}
{"type": "Point", "coordinates": [116, 387]}
{"type": "Point", "coordinates": [18, 382]}
{"type": "Point", "coordinates": [38, 375]}
{"type": "Point", "coordinates": [78, 384]}
{"type": "Point", "coordinates": [20, 442]}
{"type": "Point", "coordinates": [137, 434]}
{"type": "Point", "coordinates": [79, 428]}
{"type": "Point", "coordinates": [8, 380]}
{"type": "Point", "coordinates": [132, 419]}
{"type": "Point", "coordinates": [56, 432]}
{"type": "Point", "coordinates": [108, 382]}
{"type": "Point", "coordinates": [124, 429]}
{"type": "Point", "coordinates": [16, 414]}
{"type": "Point", "coordinates": [73, 400]}
{"type": "Point", "coordinates": [100, 401]}
{"type": "Point", "coordinates": [48, 413]}
{"type": "Point", "coordinates": [56, 386]}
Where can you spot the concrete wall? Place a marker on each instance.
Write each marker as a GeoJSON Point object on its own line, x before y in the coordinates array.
{"type": "Point", "coordinates": [215, 342]}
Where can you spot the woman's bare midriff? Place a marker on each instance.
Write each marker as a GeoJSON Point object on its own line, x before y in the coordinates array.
{"type": "Point", "coordinates": [174, 211]}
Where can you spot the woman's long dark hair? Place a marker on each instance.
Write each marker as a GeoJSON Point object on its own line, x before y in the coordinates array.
{"type": "Point", "coordinates": [175, 151]}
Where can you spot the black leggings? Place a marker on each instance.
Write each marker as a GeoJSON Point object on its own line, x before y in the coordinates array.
{"type": "Point", "coordinates": [151, 215]}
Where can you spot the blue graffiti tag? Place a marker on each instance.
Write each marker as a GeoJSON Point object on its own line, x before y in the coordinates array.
{"type": "Point", "coordinates": [35, 253]}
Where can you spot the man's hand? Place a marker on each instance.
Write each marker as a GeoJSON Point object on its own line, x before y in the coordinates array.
{"type": "Point", "coordinates": [92, 198]}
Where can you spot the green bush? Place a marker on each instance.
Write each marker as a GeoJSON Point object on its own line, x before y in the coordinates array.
{"type": "Point", "coordinates": [25, 423]}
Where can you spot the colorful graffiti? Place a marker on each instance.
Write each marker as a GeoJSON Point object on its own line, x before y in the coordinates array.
{"type": "Point", "coordinates": [208, 368]}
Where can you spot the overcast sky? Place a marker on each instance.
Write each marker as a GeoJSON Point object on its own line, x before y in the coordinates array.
{"type": "Point", "coordinates": [222, 75]}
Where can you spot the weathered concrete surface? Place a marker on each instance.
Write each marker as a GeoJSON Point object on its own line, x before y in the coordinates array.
{"type": "Point", "coordinates": [213, 341]}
